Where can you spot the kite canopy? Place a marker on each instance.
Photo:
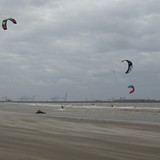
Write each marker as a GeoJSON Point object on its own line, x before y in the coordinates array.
{"type": "Point", "coordinates": [4, 22]}
{"type": "Point", "coordinates": [130, 66]}
{"type": "Point", "coordinates": [133, 89]}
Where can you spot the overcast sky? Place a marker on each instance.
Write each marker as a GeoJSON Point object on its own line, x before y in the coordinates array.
{"type": "Point", "coordinates": [76, 46]}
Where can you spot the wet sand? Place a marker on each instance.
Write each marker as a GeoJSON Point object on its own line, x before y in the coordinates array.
{"type": "Point", "coordinates": [40, 137]}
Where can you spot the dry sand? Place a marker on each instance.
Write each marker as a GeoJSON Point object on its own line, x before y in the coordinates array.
{"type": "Point", "coordinates": [40, 137]}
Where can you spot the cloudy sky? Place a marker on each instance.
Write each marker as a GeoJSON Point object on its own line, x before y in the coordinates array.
{"type": "Point", "coordinates": [76, 46]}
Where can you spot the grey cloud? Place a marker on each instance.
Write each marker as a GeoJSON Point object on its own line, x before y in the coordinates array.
{"type": "Point", "coordinates": [76, 45]}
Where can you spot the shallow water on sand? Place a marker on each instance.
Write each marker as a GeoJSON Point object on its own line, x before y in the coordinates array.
{"type": "Point", "coordinates": [145, 113]}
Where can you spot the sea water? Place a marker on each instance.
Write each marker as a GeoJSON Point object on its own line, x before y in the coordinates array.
{"type": "Point", "coordinates": [144, 113]}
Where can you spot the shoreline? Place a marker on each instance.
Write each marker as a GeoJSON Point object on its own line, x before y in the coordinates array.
{"type": "Point", "coordinates": [123, 122]}
{"type": "Point", "coordinates": [130, 114]}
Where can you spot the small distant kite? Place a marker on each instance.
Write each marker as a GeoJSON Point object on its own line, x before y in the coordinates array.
{"type": "Point", "coordinates": [130, 66]}
{"type": "Point", "coordinates": [133, 89]}
{"type": "Point", "coordinates": [4, 22]}
{"type": "Point", "coordinates": [113, 71]}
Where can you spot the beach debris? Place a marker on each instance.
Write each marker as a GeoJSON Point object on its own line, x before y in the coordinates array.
{"type": "Point", "coordinates": [40, 112]}
{"type": "Point", "coordinates": [4, 22]}
{"type": "Point", "coordinates": [62, 106]}
{"type": "Point", "coordinates": [130, 65]}
{"type": "Point", "coordinates": [133, 89]}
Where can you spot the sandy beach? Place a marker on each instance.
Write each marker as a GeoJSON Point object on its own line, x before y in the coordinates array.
{"type": "Point", "coordinates": [27, 136]}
